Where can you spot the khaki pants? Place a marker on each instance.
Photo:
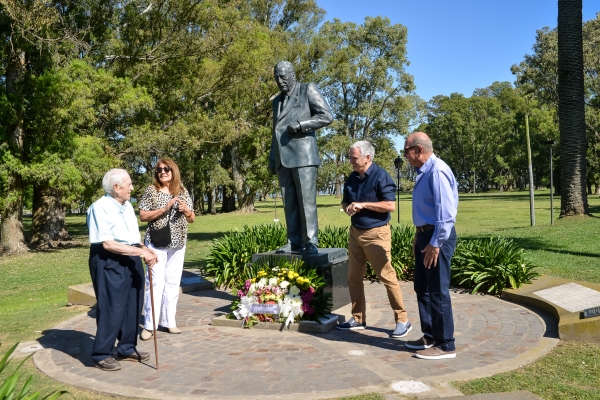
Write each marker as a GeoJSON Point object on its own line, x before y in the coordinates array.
{"type": "Point", "coordinates": [374, 245]}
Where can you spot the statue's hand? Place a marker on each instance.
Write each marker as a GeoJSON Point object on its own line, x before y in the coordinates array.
{"type": "Point", "coordinates": [271, 167]}
{"type": "Point", "coordinates": [294, 128]}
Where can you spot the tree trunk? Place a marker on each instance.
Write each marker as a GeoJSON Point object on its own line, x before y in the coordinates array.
{"type": "Point", "coordinates": [571, 109]}
{"type": "Point", "coordinates": [245, 200]}
{"type": "Point", "coordinates": [212, 202]}
{"type": "Point", "coordinates": [228, 204]}
{"type": "Point", "coordinates": [48, 222]}
{"type": "Point", "coordinates": [12, 239]}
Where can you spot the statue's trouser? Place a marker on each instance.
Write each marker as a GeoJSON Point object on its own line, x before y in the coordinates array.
{"type": "Point", "coordinates": [299, 193]}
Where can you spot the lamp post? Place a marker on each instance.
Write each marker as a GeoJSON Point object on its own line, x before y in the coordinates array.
{"type": "Point", "coordinates": [550, 143]}
{"type": "Point", "coordinates": [398, 164]}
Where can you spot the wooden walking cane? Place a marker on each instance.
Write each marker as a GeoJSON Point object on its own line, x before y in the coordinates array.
{"type": "Point", "coordinates": [153, 318]}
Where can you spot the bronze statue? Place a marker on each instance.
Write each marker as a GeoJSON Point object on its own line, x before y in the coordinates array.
{"type": "Point", "coordinates": [298, 111]}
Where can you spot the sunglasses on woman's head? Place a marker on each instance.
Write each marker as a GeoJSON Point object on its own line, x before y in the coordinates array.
{"type": "Point", "coordinates": [161, 169]}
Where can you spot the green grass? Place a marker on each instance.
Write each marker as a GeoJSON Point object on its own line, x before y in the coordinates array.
{"type": "Point", "coordinates": [33, 291]}
{"type": "Point", "coordinates": [571, 370]}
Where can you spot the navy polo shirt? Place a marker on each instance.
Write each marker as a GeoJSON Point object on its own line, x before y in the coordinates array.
{"type": "Point", "coordinates": [377, 186]}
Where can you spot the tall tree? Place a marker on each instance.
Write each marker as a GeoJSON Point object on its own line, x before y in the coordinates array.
{"type": "Point", "coordinates": [363, 78]}
{"type": "Point", "coordinates": [571, 108]}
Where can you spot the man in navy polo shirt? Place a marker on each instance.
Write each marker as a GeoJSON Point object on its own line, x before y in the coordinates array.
{"type": "Point", "coordinates": [369, 197]}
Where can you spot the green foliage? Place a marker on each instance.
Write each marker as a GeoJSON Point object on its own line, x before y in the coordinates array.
{"type": "Point", "coordinates": [490, 265]}
{"type": "Point", "coordinates": [334, 237]}
{"type": "Point", "coordinates": [8, 389]}
{"type": "Point", "coordinates": [403, 259]}
{"type": "Point", "coordinates": [230, 254]}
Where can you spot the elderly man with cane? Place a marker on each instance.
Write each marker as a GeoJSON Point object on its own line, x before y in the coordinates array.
{"type": "Point", "coordinates": [115, 263]}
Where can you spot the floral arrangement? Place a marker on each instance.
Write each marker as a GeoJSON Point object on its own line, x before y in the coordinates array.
{"type": "Point", "coordinates": [285, 292]}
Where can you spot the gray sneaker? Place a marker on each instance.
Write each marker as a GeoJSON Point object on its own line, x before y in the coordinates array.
{"type": "Point", "coordinates": [402, 329]}
{"type": "Point", "coordinates": [351, 325]}
{"type": "Point", "coordinates": [420, 344]}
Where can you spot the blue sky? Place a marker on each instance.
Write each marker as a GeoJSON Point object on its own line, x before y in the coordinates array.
{"type": "Point", "coordinates": [460, 45]}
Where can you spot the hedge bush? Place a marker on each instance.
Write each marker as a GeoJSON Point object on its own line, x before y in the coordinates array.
{"type": "Point", "coordinates": [490, 265]}
{"type": "Point", "coordinates": [481, 265]}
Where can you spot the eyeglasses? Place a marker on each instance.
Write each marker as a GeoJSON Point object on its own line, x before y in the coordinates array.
{"type": "Point", "coordinates": [409, 148]}
{"type": "Point", "coordinates": [161, 169]}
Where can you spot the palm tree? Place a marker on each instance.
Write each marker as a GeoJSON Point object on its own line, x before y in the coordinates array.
{"type": "Point", "coordinates": [571, 109]}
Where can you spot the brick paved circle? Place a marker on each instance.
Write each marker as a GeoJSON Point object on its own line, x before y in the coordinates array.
{"type": "Point", "coordinates": [492, 335]}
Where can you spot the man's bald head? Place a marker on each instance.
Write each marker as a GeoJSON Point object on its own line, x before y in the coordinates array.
{"type": "Point", "coordinates": [420, 139]}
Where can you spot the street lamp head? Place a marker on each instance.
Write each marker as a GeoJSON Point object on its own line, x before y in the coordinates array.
{"type": "Point", "coordinates": [550, 142]}
{"type": "Point", "coordinates": [398, 162]}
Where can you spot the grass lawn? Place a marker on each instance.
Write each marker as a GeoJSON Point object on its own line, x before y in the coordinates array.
{"type": "Point", "coordinates": [33, 291]}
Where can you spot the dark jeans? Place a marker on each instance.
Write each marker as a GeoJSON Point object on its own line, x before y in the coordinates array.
{"type": "Point", "coordinates": [118, 284]}
{"type": "Point", "coordinates": [433, 291]}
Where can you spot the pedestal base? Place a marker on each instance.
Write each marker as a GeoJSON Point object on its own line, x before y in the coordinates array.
{"type": "Point", "coordinates": [332, 265]}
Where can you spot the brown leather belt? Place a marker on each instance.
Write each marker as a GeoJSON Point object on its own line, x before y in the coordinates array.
{"type": "Point", "coordinates": [424, 228]}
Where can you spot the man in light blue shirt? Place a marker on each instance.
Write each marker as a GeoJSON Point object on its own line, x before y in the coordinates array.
{"type": "Point", "coordinates": [434, 207]}
{"type": "Point", "coordinates": [117, 272]}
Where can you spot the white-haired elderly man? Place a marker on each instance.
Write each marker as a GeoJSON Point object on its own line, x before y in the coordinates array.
{"type": "Point", "coordinates": [117, 272]}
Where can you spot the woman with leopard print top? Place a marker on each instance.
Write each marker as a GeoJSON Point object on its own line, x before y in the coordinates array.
{"type": "Point", "coordinates": [164, 202]}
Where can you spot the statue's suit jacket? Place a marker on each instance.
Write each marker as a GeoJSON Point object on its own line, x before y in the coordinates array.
{"type": "Point", "coordinates": [307, 106]}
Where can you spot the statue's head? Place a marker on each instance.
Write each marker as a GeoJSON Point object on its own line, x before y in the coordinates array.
{"type": "Point", "coordinates": [285, 76]}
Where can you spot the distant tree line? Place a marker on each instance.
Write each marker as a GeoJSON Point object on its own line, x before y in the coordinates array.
{"type": "Point", "coordinates": [88, 85]}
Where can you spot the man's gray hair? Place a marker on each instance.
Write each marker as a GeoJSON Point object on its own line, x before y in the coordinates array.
{"type": "Point", "coordinates": [421, 139]}
{"type": "Point", "coordinates": [112, 177]}
{"type": "Point", "coordinates": [286, 65]}
{"type": "Point", "coordinates": [366, 148]}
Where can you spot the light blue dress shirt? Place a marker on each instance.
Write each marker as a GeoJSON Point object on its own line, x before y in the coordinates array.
{"type": "Point", "coordinates": [435, 199]}
{"type": "Point", "coordinates": [107, 219]}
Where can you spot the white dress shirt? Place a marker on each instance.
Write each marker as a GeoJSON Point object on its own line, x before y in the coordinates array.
{"type": "Point", "coordinates": [107, 219]}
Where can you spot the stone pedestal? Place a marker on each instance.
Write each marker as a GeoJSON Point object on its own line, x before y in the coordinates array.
{"type": "Point", "coordinates": [332, 265]}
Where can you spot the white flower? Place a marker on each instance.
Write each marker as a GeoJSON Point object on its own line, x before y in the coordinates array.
{"type": "Point", "coordinates": [297, 306]}
{"type": "Point", "coordinates": [243, 310]}
{"type": "Point", "coordinates": [262, 283]}
{"type": "Point", "coordinates": [284, 284]}
{"type": "Point", "coordinates": [294, 291]}
{"type": "Point", "coordinates": [273, 282]}
{"type": "Point", "coordinates": [252, 288]}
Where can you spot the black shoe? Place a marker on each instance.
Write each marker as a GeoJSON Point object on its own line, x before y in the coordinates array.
{"type": "Point", "coordinates": [108, 364]}
{"type": "Point", "coordinates": [311, 248]}
{"type": "Point", "coordinates": [135, 356]}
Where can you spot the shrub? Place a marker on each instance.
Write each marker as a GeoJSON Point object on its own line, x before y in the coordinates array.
{"type": "Point", "coordinates": [334, 237]}
{"type": "Point", "coordinates": [403, 259]}
{"type": "Point", "coordinates": [229, 255]}
{"type": "Point", "coordinates": [490, 265]}
{"type": "Point", "coordinates": [8, 389]}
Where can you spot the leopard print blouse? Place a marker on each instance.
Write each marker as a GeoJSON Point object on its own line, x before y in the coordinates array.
{"type": "Point", "coordinates": [153, 199]}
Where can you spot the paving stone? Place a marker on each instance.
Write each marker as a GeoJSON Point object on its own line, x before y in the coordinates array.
{"type": "Point", "coordinates": [222, 361]}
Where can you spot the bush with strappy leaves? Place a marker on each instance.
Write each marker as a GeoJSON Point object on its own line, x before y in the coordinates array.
{"type": "Point", "coordinates": [8, 388]}
{"type": "Point", "coordinates": [490, 265]}
{"type": "Point", "coordinates": [230, 254]}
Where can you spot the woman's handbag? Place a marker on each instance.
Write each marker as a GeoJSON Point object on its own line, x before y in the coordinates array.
{"type": "Point", "coordinates": [161, 237]}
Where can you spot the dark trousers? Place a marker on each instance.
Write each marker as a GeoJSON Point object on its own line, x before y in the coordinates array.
{"type": "Point", "coordinates": [118, 284]}
{"type": "Point", "coordinates": [433, 291]}
{"type": "Point", "coordinates": [299, 193]}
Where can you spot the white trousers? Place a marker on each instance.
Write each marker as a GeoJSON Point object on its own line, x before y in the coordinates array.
{"type": "Point", "coordinates": [166, 276]}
